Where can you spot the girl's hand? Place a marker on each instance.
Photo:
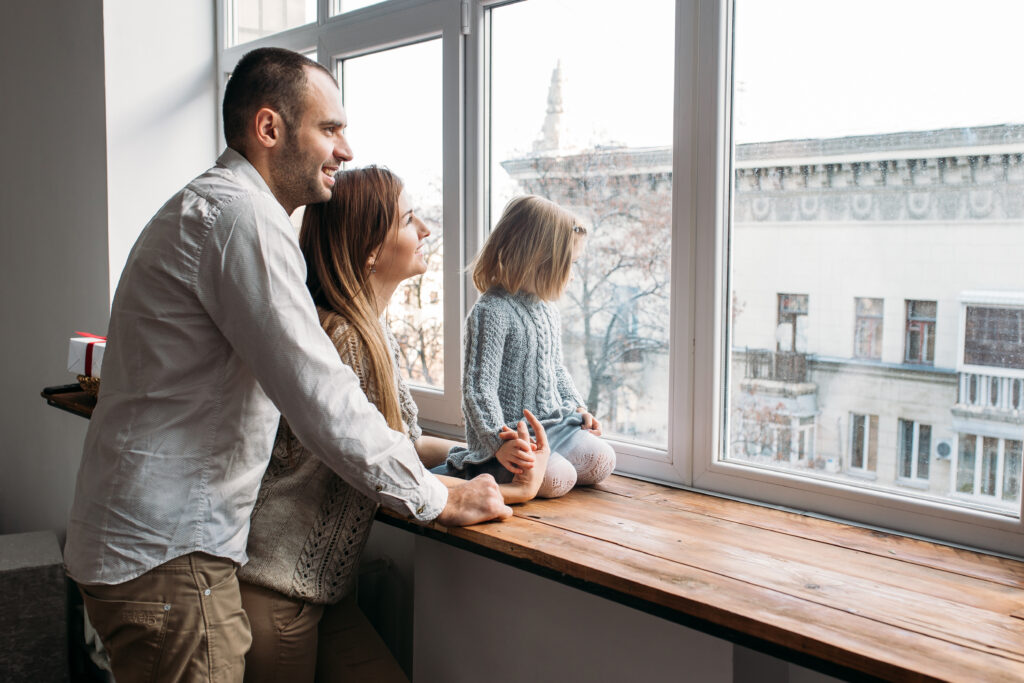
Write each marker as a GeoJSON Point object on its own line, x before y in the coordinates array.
{"type": "Point", "coordinates": [516, 454]}
{"type": "Point", "coordinates": [590, 422]}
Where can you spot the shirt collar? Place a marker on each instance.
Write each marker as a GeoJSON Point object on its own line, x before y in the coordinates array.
{"type": "Point", "coordinates": [236, 163]}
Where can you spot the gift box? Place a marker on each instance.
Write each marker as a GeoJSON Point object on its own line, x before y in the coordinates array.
{"type": "Point", "coordinates": [85, 355]}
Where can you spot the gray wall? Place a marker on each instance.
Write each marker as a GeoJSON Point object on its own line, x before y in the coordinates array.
{"type": "Point", "coordinates": [53, 243]}
{"type": "Point", "coordinates": [108, 108]}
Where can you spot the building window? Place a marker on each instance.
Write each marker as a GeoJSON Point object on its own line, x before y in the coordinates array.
{"type": "Point", "coordinates": [915, 446]}
{"type": "Point", "coordinates": [989, 467]}
{"type": "Point", "coordinates": [867, 333]}
{"type": "Point", "coordinates": [994, 337]}
{"type": "Point", "coordinates": [863, 442]}
{"type": "Point", "coordinates": [920, 346]}
{"type": "Point", "coordinates": [791, 329]}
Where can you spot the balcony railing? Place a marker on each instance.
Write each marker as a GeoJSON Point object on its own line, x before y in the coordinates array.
{"type": "Point", "coordinates": [782, 366]}
{"type": "Point", "coordinates": [991, 391]}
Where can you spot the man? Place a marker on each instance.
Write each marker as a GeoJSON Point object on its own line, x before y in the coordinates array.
{"type": "Point", "coordinates": [212, 332]}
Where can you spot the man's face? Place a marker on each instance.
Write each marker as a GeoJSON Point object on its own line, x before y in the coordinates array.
{"type": "Point", "coordinates": [312, 151]}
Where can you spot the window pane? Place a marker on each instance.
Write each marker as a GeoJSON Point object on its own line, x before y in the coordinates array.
{"type": "Point", "coordinates": [965, 463]}
{"type": "Point", "coordinates": [989, 466]}
{"type": "Point", "coordinates": [862, 197]}
{"type": "Point", "coordinates": [1012, 471]}
{"type": "Point", "coordinates": [252, 19]}
{"type": "Point", "coordinates": [393, 100]}
{"type": "Point", "coordinates": [341, 6]}
{"type": "Point", "coordinates": [557, 131]}
{"type": "Point", "coordinates": [924, 450]}
{"type": "Point", "coordinates": [906, 449]}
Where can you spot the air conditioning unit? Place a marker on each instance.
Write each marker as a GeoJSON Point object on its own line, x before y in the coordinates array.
{"type": "Point", "coordinates": [943, 449]}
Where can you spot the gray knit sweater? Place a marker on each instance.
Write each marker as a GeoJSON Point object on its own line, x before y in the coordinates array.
{"type": "Point", "coordinates": [513, 360]}
{"type": "Point", "coordinates": [309, 526]}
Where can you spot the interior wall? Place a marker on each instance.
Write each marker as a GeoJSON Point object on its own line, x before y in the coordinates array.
{"type": "Point", "coordinates": [109, 107]}
{"type": "Point", "coordinates": [53, 243]}
{"type": "Point", "coordinates": [162, 107]}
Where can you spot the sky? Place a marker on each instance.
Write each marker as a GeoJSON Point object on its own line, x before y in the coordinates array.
{"type": "Point", "coordinates": [803, 68]}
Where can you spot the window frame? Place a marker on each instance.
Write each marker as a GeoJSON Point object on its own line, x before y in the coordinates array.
{"type": "Point", "coordinates": [702, 187]}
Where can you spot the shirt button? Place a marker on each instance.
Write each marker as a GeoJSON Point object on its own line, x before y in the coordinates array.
{"type": "Point", "coordinates": [206, 592]}
{"type": "Point", "coordinates": [379, 488]}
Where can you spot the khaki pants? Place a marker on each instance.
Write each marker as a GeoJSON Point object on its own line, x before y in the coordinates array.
{"type": "Point", "coordinates": [181, 621]}
{"type": "Point", "coordinates": [300, 642]}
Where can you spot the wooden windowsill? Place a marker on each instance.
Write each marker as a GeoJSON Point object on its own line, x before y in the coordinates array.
{"type": "Point", "coordinates": [844, 600]}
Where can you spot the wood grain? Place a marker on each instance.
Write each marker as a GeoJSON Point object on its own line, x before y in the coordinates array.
{"type": "Point", "coordinates": [879, 604]}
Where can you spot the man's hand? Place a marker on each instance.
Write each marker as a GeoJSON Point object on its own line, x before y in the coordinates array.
{"type": "Point", "coordinates": [477, 500]}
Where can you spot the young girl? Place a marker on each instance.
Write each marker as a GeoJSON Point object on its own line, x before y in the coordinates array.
{"type": "Point", "coordinates": [513, 358]}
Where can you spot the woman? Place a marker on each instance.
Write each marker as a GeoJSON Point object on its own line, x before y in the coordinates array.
{"type": "Point", "coordinates": [309, 527]}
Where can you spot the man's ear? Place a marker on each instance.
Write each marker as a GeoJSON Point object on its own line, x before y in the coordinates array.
{"type": "Point", "coordinates": [269, 127]}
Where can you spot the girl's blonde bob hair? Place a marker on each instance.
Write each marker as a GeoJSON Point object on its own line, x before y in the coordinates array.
{"type": "Point", "coordinates": [531, 248]}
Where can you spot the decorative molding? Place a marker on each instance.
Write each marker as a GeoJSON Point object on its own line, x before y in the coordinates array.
{"type": "Point", "coordinates": [961, 174]}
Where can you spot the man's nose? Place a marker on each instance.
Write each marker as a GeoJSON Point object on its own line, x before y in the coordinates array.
{"type": "Point", "coordinates": [342, 150]}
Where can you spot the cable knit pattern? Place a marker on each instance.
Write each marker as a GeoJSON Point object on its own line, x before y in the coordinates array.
{"type": "Point", "coordinates": [309, 526]}
{"type": "Point", "coordinates": [513, 360]}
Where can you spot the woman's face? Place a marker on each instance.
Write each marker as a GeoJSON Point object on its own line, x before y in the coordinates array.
{"type": "Point", "coordinates": [401, 256]}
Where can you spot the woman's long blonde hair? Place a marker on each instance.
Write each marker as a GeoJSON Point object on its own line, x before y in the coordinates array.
{"type": "Point", "coordinates": [337, 239]}
{"type": "Point", "coordinates": [531, 247]}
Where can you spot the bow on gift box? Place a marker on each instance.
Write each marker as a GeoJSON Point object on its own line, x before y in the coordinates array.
{"type": "Point", "coordinates": [88, 349]}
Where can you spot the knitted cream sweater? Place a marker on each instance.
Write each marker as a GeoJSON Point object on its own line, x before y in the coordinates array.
{"type": "Point", "coordinates": [309, 527]}
{"type": "Point", "coordinates": [513, 360]}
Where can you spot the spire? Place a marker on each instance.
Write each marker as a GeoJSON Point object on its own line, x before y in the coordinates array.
{"type": "Point", "coordinates": [551, 134]}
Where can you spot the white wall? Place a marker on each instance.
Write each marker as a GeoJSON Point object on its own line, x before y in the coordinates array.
{"type": "Point", "coordinates": [108, 108]}
{"type": "Point", "coordinates": [450, 615]}
{"type": "Point", "coordinates": [162, 109]}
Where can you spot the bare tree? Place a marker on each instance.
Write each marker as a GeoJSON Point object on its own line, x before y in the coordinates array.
{"type": "Point", "coordinates": [417, 312]}
{"type": "Point", "coordinates": [616, 308]}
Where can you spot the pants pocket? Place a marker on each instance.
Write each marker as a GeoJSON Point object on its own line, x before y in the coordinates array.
{"type": "Point", "coordinates": [132, 632]}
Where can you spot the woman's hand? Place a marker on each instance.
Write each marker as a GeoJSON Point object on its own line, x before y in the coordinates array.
{"type": "Point", "coordinates": [590, 422]}
{"type": "Point", "coordinates": [516, 454]}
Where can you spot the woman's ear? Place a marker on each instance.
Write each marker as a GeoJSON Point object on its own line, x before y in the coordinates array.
{"type": "Point", "coordinates": [371, 262]}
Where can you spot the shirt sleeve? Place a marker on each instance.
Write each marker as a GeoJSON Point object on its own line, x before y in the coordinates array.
{"type": "Point", "coordinates": [251, 281]}
{"type": "Point", "coordinates": [486, 330]}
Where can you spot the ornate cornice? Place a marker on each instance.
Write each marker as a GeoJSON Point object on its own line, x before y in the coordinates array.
{"type": "Point", "coordinates": [961, 174]}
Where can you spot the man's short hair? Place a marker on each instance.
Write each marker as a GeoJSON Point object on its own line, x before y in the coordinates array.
{"type": "Point", "coordinates": [266, 77]}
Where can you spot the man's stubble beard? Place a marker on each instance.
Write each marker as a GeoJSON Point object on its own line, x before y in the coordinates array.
{"type": "Point", "coordinates": [296, 178]}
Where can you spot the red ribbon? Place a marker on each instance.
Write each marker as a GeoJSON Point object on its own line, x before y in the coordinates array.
{"type": "Point", "coordinates": [88, 349]}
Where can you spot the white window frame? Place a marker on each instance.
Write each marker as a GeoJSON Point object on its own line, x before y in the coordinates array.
{"type": "Point", "coordinates": [701, 187]}
{"type": "Point", "coordinates": [914, 479]}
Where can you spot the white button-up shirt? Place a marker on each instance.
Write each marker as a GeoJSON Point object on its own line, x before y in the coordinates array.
{"type": "Point", "coordinates": [212, 331]}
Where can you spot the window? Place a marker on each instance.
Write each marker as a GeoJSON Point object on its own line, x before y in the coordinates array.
{"type": "Point", "coordinates": [791, 329]}
{"type": "Point", "coordinates": [609, 161]}
{"type": "Point", "coordinates": [915, 450]}
{"type": "Point", "coordinates": [252, 19]}
{"type": "Point", "coordinates": [867, 332]}
{"type": "Point", "coordinates": [994, 337]}
{"type": "Point", "coordinates": [379, 118]}
{"type": "Point", "coordinates": [920, 345]}
{"type": "Point", "coordinates": [724, 194]}
{"type": "Point", "coordinates": [989, 468]}
{"type": "Point", "coordinates": [863, 443]}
